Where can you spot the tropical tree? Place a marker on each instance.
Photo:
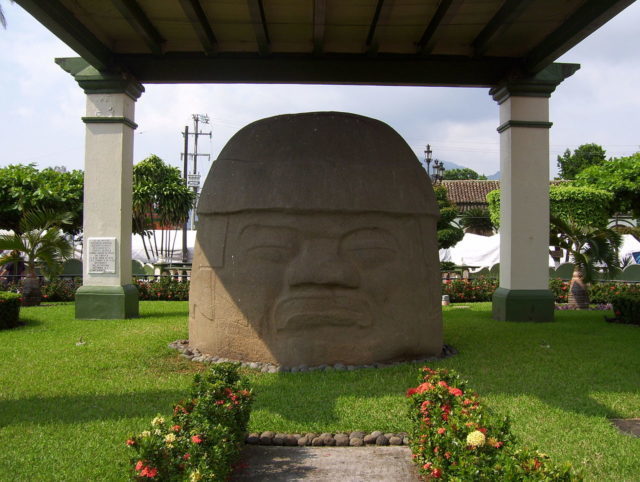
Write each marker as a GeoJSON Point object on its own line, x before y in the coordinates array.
{"type": "Point", "coordinates": [477, 221]}
{"type": "Point", "coordinates": [620, 177]}
{"type": "Point", "coordinates": [3, 19]}
{"type": "Point", "coordinates": [462, 174]}
{"type": "Point", "coordinates": [41, 243]}
{"type": "Point", "coordinates": [586, 155]}
{"type": "Point", "coordinates": [160, 200]}
{"type": "Point", "coordinates": [24, 188]}
{"type": "Point", "coordinates": [449, 233]}
{"type": "Point", "coordinates": [589, 247]}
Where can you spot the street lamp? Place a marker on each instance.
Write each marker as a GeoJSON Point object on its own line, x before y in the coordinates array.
{"type": "Point", "coordinates": [438, 166]}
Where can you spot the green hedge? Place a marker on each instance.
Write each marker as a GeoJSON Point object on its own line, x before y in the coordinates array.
{"type": "Point", "coordinates": [455, 437]}
{"type": "Point", "coordinates": [626, 308]}
{"type": "Point", "coordinates": [204, 436]}
{"type": "Point", "coordinates": [9, 309]}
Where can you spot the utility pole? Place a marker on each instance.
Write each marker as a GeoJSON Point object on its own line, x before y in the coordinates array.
{"type": "Point", "coordinates": [192, 178]}
{"type": "Point", "coordinates": [185, 158]}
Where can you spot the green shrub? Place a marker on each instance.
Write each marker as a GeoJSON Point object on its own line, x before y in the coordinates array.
{"type": "Point", "coordinates": [468, 291]}
{"type": "Point", "coordinates": [455, 437]}
{"type": "Point", "coordinates": [626, 308]}
{"type": "Point", "coordinates": [203, 437]}
{"type": "Point", "coordinates": [60, 289]}
{"type": "Point", "coordinates": [164, 288]}
{"type": "Point", "coordinates": [9, 309]}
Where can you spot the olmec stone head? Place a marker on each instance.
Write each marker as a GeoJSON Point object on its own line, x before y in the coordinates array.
{"type": "Point", "coordinates": [316, 244]}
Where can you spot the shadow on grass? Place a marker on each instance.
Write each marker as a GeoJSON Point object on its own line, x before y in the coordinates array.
{"type": "Point", "coordinates": [85, 408]}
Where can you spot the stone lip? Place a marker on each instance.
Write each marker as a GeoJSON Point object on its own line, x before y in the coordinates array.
{"type": "Point", "coordinates": [195, 355]}
{"type": "Point", "coordinates": [342, 439]}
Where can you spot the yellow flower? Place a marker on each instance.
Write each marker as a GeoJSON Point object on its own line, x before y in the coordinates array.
{"type": "Point", "coordinates": [170, 438]}
{"type": "Point", "coordinates": [195, 476]}
{"type": "Point", "coordinates": [157, 432]}
{"type": "Point", "coordinates": [476, 439]}
{"type": "Point", "coordinates": [145, 434]}
{"type": "Point", "coordinates": [157, 421]}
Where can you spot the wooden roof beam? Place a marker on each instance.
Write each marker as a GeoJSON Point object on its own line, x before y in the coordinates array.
{"type": "Point", "coordinates": [259, 22]}
{"type": "Point", "coordinates": [319, 22]}
{"type": "Point", "coordinates": [445, 12]}
{"type": "Point", "coordinates": [380, 16]}
{"type": "Point", "coordinates": [587, 19]}
{"type": "Point", "coordinates": [200, 23]}
{"type": "Point", "coordinates": [59, 20]}
{"type": "Point", "coordinates": [504, 17]}
{"type": "Point", "coordinates": [136, 17]}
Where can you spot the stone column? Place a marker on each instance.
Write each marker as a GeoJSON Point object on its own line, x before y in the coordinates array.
{"type": "Point", "coordinates": [524, 293]}
{"type": "Point", "coordinates": [108, 291]}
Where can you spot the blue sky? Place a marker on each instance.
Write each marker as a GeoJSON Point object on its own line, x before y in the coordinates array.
{"type": "Point", "coordinates": [41, 106]}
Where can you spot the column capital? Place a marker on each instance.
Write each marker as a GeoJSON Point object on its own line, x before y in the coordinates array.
{"type": "Point", "coordinates": [541, 84]}
{"type": "Point", "coordinates": [94, 81]}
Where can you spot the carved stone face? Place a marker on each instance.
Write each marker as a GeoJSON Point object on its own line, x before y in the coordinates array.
{"type": "Point", "coordinates": [316, 244]}
{"type": "Point", "coordinates": [311, 289]}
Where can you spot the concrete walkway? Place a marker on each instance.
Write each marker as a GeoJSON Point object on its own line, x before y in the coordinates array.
{"type": "Point", "coordinates": [349, 464]}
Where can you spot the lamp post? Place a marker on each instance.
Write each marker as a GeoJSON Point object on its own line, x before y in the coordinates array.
{"type": "Point", "coordinates": [438, 166]}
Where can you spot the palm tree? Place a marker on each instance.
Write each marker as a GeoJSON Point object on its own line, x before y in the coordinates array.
{"type": "Point", "coordinates": [3, 19]}
{"type": "Point", "coordinates": [477, 221]}
{"type": "Point", "coordinates": [42, 244]}
{"type": "Point", "coordinates": [589, 247]}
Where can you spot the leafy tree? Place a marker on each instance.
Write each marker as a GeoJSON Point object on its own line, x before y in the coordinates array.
{"type": "Point", "coordinates": [462, 174]}
{"type": "Point", "coordinates": [588, 246]}
{"type": "Point", "coordinates": [477, 221]}
{"type": "Point", "coordinates": [23, 188]}
{"type": "Point", "coordinates": [160, 199]}
{"type": "Point", "coordinates": [449, 233]}
{"type": "Point", "coordinates": [586, 155]}
{"type": "Point", "coordinates": [621, 177]}
{"type": "Point", "coordinates": [581, 205]}
{"type": "Point", "coordinates": [41, 242]}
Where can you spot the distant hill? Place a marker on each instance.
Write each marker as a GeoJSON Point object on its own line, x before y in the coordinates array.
{"type": "Point", "coordinates": [494, 177]}
{"type": "Point", "coordinates": [448, 165]}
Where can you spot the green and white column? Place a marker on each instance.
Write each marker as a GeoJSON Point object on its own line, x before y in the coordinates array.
{"type": "Point", "coordinates": [108, 291]}
{"type": "Point", "coordinates": [524, 293]}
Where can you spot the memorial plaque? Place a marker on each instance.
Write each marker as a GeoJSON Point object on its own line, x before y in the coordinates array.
{"type": "Point", "coordinates": [102, 255]}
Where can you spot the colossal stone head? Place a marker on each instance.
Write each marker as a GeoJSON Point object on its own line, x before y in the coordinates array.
{"type": "Point", "coordinates": [316, 244]}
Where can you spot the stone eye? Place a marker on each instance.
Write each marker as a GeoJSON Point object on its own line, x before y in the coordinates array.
{"type": "Point", "coordinates": [276, 254]}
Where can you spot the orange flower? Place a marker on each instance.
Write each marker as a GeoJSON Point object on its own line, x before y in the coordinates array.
{"type": "Point", "coordinates": [442, 430]}
{"type": "Point", "coordinates": [139, 465]}
{"type": "Point", "coordinates": [196, 439]}
{"type": "Point", "coordinates": [456, 392]}
{"type": "Point", "coordinates": [436, 473]}
{"type": "Point", "coordinates": [131, 442]}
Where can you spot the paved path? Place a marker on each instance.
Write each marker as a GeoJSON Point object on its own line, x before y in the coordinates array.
{"type": "Point", "coordinates": [348, 464]}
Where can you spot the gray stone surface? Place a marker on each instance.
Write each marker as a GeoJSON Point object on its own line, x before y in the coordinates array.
{"type": "Point", "coordinates": [325, 464]}
{"type": "Point", "coordinates": [316, 245]}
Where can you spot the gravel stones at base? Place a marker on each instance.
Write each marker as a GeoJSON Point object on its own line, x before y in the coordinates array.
{"type": "Point", "coordinates": [195, 355]}
{"type": "Point", "coordinates": [352, 439]}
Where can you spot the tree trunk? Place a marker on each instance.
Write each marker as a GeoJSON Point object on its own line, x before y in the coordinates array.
{"type": "Point", "coordinates": [31, 293]}
{"type": "Point", "coordinates": [578, 295]}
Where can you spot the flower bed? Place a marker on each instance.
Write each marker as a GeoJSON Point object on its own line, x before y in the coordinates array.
{"type": "Point", "coordinates": [455, 437]}
{"type": "Point", "coordinates": [203, 437]}
{"type": "Point", "coordinates": [626, 308]}
{"type": "Point", "coordinates": [9, 309]}
{"type": "Point", "coordinates": [164, 288]}
{"type": "Point", "coordinates": [469, 291]}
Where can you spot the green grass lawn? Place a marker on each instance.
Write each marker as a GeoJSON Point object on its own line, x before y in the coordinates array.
{"type": "Point", "coordinates": [66, 408]}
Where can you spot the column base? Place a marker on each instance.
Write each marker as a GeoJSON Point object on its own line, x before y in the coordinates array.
{"type": "Point", "coordinates": [106, 302]}
{"type": "Point", "coordinates": [523, 305]}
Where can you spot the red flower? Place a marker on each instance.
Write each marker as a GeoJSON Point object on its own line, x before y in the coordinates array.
{"type": "Point", "coordinates": [131, 442]}
{"type": "Point", "coordinates": [139, 465]}
{"type": "Point", "coordinates": [186, 456]}
{"type": "Point", "coordinates": [176, 428]}
{"type": "Point", "coordinates": [196, 439]}
{"type": "Point", "coordinates": [412, 391]}
{"type": "Point", "coordinates": [427, 466]}
{"type": "Point", "coordinates": [150, 472]}
{"type": "Point", "coordinates": [467, 402]}
{"type": "Point", "coordinates": [483, 430]}
{"type": "Point", "coordinates": [442, 430]}
{"type": "Point", "coordinates": [219, 402]}
{"type": "Point", "coordinates": [447, 455]}
{"type": "Point", "coordinates": [442, 383]}
{"type": "Point", "coordinates": [456, 392]}
{"type": "Point", "coordinates": [436, 473]}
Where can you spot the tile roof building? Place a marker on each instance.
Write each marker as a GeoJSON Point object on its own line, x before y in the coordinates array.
{"type": "Point", "coordinates": [469, 194]}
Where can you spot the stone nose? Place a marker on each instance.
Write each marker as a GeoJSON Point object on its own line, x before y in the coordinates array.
{"type": "Point", "coordinates": [319, 263]}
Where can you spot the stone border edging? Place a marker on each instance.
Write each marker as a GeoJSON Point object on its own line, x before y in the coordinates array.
{"type": "Point", "coordinates": [195, 355]}
{"type": "Point", "coordinates": [344, 439]}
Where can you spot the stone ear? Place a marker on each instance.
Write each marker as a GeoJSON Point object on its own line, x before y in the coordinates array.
{"type": "Point", "coordinates": [212, 237]}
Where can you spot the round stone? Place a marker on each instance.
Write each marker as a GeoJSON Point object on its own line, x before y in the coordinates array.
{"type": "Point", "coordinates": [389, 435]}
{"type": "Point", "coordinates": [266, 438]}
{"type": "Point", "coordinates": [302, 441]}
{"type": "Point", "coordinates": [370, 439]}
{"type": "Point", "coordinates": [341, 440]}
{"type": "Point", "coordinates": [357, 434]}
{"type": "Point", "coordinates": [278, 439]}
{"type": "Point", "coordinates": [317, 442]}
{"type": "Point", "coordinates": [395, 441]}
{"type": "Point", "coordinates": [382, 440]}
{"type": "Point", "coordinates": [291, 440]}
{"type": "Point", "coordinates": [356, 442]}
{"type": "Point", "coordinates": [405, 441]}
{"type": "Point", "coordinates": [253, 438]}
